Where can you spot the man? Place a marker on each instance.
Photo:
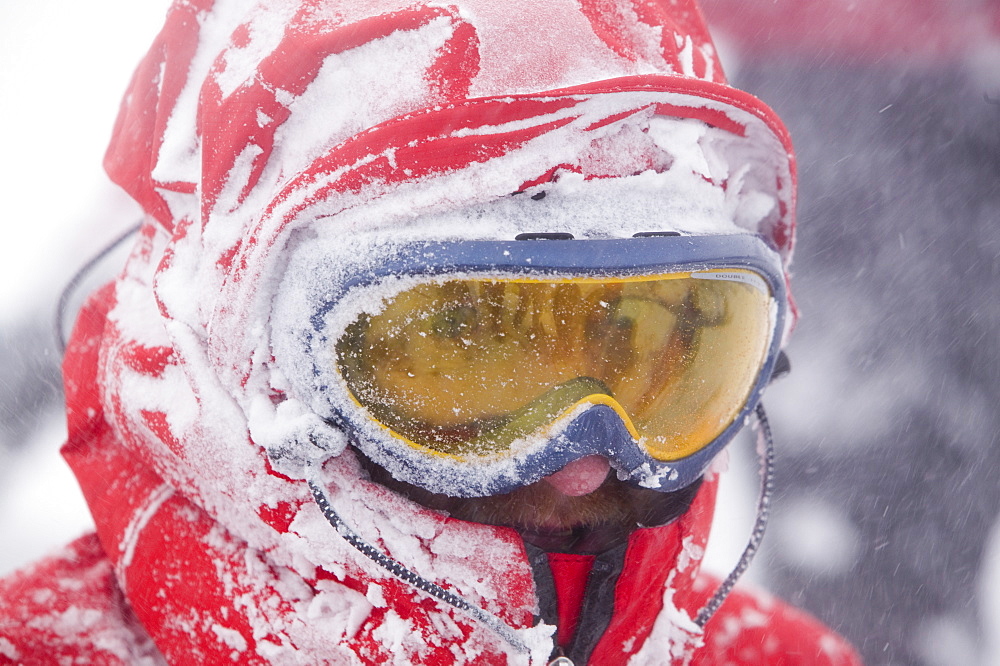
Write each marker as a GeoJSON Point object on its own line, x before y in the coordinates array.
{"type": "Point", "coordinates": [438, 319]}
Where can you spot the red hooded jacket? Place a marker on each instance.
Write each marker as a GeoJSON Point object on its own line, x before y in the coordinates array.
{"type": "Point", "coordinates": [252, 126]}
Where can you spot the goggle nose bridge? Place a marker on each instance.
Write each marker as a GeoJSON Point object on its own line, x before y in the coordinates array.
{"type": "Point", "coordinates": [610, 404]}
{"type": "Point", "coordinates": [603, 430]}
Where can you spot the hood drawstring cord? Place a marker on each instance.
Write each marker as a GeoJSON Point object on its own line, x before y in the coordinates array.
{"type": "Point", "coordinates": [59, 323]}
{"type": "Point", "coordinates": [507, 632]}
{"type": "Point", "coordinates": [765, 451]}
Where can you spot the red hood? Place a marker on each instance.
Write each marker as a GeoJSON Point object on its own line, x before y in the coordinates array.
{"type": "Point", "coordinates": [247, 127]}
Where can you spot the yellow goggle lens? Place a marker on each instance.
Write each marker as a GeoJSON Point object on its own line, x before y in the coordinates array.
{"type": "Point", "coordinates": [468, 366]}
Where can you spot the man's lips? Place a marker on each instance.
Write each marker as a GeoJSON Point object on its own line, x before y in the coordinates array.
{"type": "Point", "coordinates": [580, 477]}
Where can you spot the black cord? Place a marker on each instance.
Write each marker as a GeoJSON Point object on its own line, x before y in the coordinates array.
{"type": "Point", "coordinates": [398, 570]}
{"type": "Point", "coordinates": [763, 513]}
{"type": "Point", "coordinates": [77, 278]}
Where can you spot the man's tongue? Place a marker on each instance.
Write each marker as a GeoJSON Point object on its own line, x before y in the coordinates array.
{"type": "Point", "coordinates": [580, 477]}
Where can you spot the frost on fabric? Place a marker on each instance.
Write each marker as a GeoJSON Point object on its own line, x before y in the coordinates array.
{"type": "Point", "coordinates": [729, 627]}
{"type": "Point", "coordinates": [289, 620]}
{"type": "Point", "coordinates": [62, 605]}
{"type": "Point", "coordinates": [674, 633]}
{"type": "Point", "coordinates": [450, 553]}
{"type": "Point", "coordinates": [260, 33]}
{"type": "Point", "coordinates": [691, 554]}
{"type": "Point", "coordinates": [178, 158]}
{"type": "Point", "coordinates": [231, 638]}
{"type": "Point", "coordinates": [292, 434]}
{"type": "Point", "coordinates": [353, 79]}
{"type": "Point", "coordinates": [512, 48]}
{"type": "Point", "coordinates": [337, 610]}
{"type": "Point", "coordinates": [346, 97]}
{"type": "Point", "coordinates": [8, 650]}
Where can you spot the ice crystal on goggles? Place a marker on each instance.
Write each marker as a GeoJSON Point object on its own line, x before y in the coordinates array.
{"type": "Point", "coordinates": [475, 367]}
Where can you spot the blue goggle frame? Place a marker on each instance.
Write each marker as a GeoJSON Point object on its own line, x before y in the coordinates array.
{"type": "Point", "coordinates": [598, 430]}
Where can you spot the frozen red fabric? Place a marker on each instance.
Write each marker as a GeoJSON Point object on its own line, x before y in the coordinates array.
{"type": "Point", "coordinates": [251, 130]}
{"type": "Point", "coordinates": [68, 609]}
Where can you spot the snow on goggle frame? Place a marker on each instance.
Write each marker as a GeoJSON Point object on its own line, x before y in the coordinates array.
{"type": "Point", "coordinates": [472, 368]}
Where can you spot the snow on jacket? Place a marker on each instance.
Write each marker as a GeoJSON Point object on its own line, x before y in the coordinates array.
{"type": "Point", "coordinates": [252, 127]}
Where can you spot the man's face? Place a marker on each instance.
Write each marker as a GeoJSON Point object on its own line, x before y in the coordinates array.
{"type": "Point", "coordinates": [572, 389]}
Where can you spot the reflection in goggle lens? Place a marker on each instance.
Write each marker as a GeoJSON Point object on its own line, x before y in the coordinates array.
{"type": "Point", "coordinates": [467, 367]}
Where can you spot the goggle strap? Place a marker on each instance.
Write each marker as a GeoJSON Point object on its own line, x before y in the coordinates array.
{"type": "Point", "coordinates": [765, 449]}
{"type": "Point", "coordinates": [782, 367]}
{"type": "Point", "coordinates": [504, 630]}
{"type": "Point", "coordinates": [71, 287]}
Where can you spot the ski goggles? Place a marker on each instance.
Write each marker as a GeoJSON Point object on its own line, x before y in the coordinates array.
{"type": "Point", "coordinates": [472, 368]}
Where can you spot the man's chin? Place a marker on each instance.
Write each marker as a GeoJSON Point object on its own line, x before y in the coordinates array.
{"type": "Point", "coordinates": [591, 523]}
{"type": "Point", "coordinates": [547, 518]}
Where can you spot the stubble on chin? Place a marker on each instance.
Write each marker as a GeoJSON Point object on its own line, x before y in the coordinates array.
{"type": "Point", "coordinates": [552, 520]}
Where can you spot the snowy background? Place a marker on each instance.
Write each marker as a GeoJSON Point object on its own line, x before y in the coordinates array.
{"type": "Point", "coordinates": [886, 520]}
{"type": "Point", "coordinates": [65, 68]}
